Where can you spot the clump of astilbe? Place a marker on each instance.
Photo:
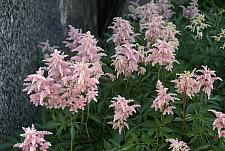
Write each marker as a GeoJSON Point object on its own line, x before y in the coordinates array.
{"type": "Point", "coordinates": [122, 32]}
{"type": "Point", "coordinates": [122, 111]}
{"type": "Point", "coordinates": [220, 36]}
{"type": "Point", "coordinates": [219, 123]}
{"type": "Point", "coordinates": [191, 10]}
{"type": "Point", "coordinates": [162, 54]}
{"type": "Point", "coordinates": [206, 79]}
{"type": "Point", "coordinates": [34, 140]}
{"type": "Point", "coordinates": [126, 59]}
{"type": "Point", "coordinates": [163, 100]}
{"type": "Point", "coordinates": [198, 24]}
{"type": "Point", "coordinates": [177, 145]}
{"type": "Point", "coordinates": [165, 8]}
{"type": "Point", "coordinates": [187, 83]}
{"type": "Point", "coordinates": [74, 37]}
{"type": "Point", "coordinates": [46, 48]}
{"type": "Point", "coordinates": [73, 83]}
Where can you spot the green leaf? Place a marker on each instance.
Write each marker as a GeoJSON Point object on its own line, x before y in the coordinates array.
{"type": "Point", "coordinates": [72, 132]}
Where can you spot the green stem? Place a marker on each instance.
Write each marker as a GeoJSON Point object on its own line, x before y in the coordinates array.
{"type": "Point", "coordinates": [71, 144]}
{"type": "Point", "coordinates": [158, 132]}
{"type": "Point", "coordinates": [184, 101]}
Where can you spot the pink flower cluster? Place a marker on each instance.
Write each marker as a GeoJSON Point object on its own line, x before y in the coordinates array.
{"type": "Point", "coordinates": [33, 140]}
{"type": "Point", "coordinates": [46, 48]}
{"type": "Point", "coordinates": [163, 100]}
{"type": "Point", "coordinates": [165, 8]}
{"type": "Point", "coordinates": [122, 32]}
{"type": "Point", "coordinates": [163, 54]}
{"type": "Point", "coordinates": [127, 57]}
{"type": "Point", "coordinates": [74, 37]}
{"type": "Point", "coordinates": [177, 145]}
{"type": "Point", "coordinates": [158, 32]}
{"type": "Point", "coordinates": [219, 123]}
{"type": "Point", "coordinates": [72, 83]}
{"type": "Point", "coordinates": [190, 83]}
{"type": "Point", "coordinates": [191, 10]}
{"type": "Point", "coordinates": [122, 111]}
{"type": "Point", "coordinates": [206, 79]}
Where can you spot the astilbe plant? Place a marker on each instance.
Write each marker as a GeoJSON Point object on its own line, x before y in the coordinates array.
{"type": "Point", "coordinates": [144, 53]}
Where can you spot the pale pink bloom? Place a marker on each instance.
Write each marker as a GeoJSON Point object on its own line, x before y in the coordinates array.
{"type": "Point", "coordinates": [177, 145]}
{"type": "Point", "coordinates": [206, 79]}
{"type": "Point", "coordinates": [163, 54]}
{"type": "Point", "coordinates": [38, 87]}
{"type": "Point", "coordinates": [153, 28]}
{"type": "Point", "coordinates": [169, 33]}
{"type": "Point", "coordinates": [163, 100]}
{"type": "Point", "coordinates": [33, 140]}
{"type": "Point", "coordinates": [122, 111]}
{"type": "Point", "coordinates": [165, 8]}
{"type": "Point", "coordinates": [57, 67]}
{"type": "Point", "coordinates": [87, 50]}
{"type": "Point", "coordinates": [122, 31]}
{"type": "Point", "coordinates": [219, 123]}
{"type": "Point", "coordinates": [74, 37]}
{"type": "Point", "coordinates": [191, 10]}
{"type": "Point", "coordinates": [186, 83]}
{"type": "Point", "coordinates": [126, 59]}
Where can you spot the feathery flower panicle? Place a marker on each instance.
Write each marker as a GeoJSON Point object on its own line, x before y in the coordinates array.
{"type": "Point", "coordinates": [111, 76]}
{"type": "Point", "coordinates": [219, 123]}
{"type": "Point", "coordinates": [220, 36]}
{"type": "Point", "coordinates": [57, 67]}
{"type": "Point", "coordinates": [73, 83]}
{"type": "Point", "coordinates": [153, 29]}
{"type": "Point", "coordinates": [191, 10]}
{"type": "Point", "coordinates": [165, 8]}
{"type": "Point", "coordinates": [87, 50]}
{"type": "Point", "coordinates": [198, 24]}
{"type": "Point", "coordinates": [169, 33]}
{"type": "Point", "coordinates": [187, 83]}
{"type": "Point", "coordinates": [177, 145]}
{"type": "Point", "coordinates": [126, 59]}
{"type": "Point", "coordinates": [74, 37]}
{"type": "Point", "coordinates": [122, 31]}
{"type": "Point", "coordinates": [81, 87]}
{"type": "Point", "coordinates": [34, 140]}
{"type": "Point", "coordinates": [145, 13]}
{"type": "Point", "coordinates": [122, 111]}
{"type": "Point", "coordinates": [38, 87]}
{"type": "Point", "coordinates": [162, 54]}
{"type": "Point", "coordinates": [206, 79]}
{"type": "Point", "coordinates": [46, 48]}
{"type": "Point", "coordinates": [163, 100]}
